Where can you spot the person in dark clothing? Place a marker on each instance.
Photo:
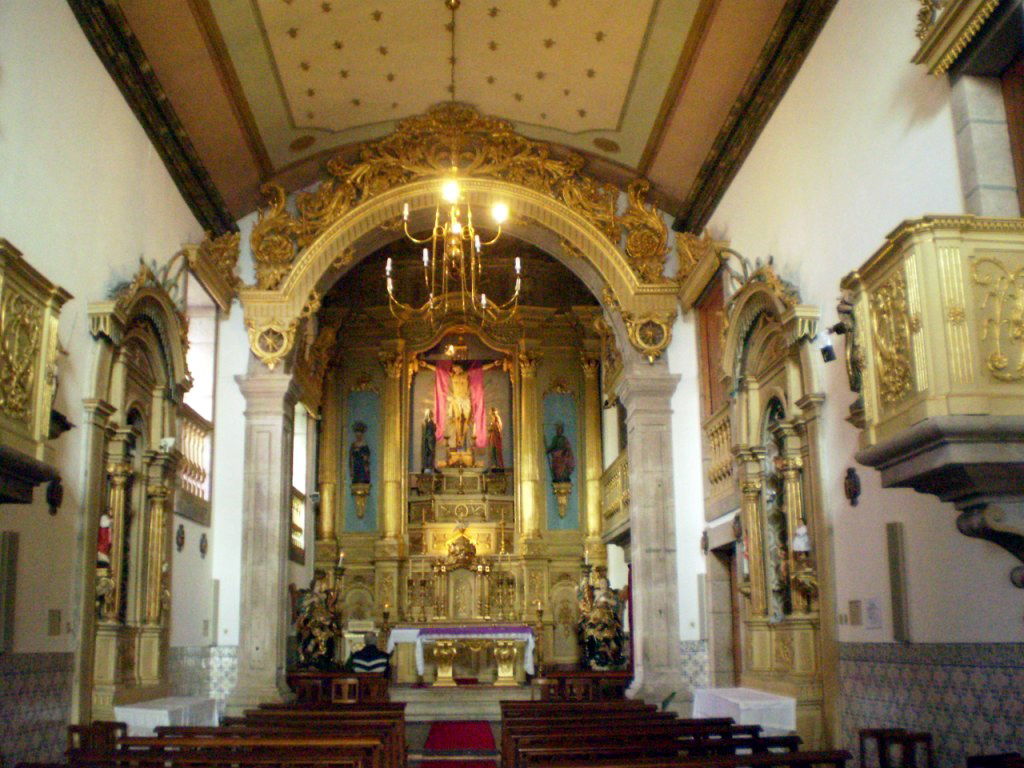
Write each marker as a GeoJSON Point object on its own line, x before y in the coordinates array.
{"type": "Point", "coordinates": [369, 658]}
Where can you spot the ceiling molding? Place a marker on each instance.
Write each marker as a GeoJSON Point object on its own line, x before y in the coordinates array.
{"type": "Point", "coordinates": [108, 32]}
{"type": "Point", "coordinates": [791, 39]}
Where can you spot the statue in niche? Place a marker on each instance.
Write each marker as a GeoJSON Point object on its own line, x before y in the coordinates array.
{"type": "Point", "coordinates": [600, 624]}
{"type": "Point", "coordinates": [104, 540]}
{"type": "Point", "coordinates": [428, 442]}
{"type": "Point", "coordinates": [317, 622]}
{"type": "Point", "coordinates": [776, 528]}
{"type": "Point", "coordinates": [494, 439]}
{"type": "Point", "coordinates": [359, 455]}
{"type": "Point", "coordinates": [560, 456]}
{"type": "Point", "coordinates": [464, 402]}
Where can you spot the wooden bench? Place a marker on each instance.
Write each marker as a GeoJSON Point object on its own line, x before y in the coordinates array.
{"type": "Point", "coordinates": [299, 749]}
{"type": "Point", "coordinates": [826, 759]}
{"type": "Point", "coordinates": [583, 685]}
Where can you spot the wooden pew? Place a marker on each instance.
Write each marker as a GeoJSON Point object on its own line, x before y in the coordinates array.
{"type": "Point", "coordinates": [825, 759]}
{"type": "Point", "coordinates": [295, 750]}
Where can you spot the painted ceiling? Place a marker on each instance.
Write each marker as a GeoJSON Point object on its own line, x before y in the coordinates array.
{"type": "Point", "coordinates": [267, 90]}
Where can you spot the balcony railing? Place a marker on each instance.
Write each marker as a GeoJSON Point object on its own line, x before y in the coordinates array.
{"type": "Point", "coordinates": [195, 435]}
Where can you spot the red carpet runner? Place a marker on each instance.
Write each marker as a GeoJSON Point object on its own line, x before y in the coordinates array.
{"type": "Point", "coordinates": [454, 744]}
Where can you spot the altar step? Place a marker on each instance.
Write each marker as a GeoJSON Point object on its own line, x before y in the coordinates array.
{"type": "Point", "coordinates": [464, 702]}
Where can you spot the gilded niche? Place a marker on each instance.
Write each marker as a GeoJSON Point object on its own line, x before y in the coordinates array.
{"type": "Point", "coordinates": [20, 333]}
{"type": "Point", "coordinates": [428, 146]}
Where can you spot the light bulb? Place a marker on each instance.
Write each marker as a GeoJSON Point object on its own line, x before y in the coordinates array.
{"type": "Point", "coordinates": [389, 284]}
{"type": "Point", "coordinates": [456, 227]}
{"type": "Point", "coordinates": [426, 257]}
{"type": "Point", "coordinates": [519, 265]}
{"type": "Point", "coordinates": [405, 212]}
{"type": "Point", "coordinates": [450, 191]}
{"type": "Point", "coordinates": [499, 211]}
{"type": "Point", "coordinates": [476, 242]}
{"type": "Point", "coordinates": [483, 300]}
{"type": "Point", "coordinates": [387, 267]}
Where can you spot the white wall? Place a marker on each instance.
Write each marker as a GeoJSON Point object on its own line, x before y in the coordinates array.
{"type": "Point", "coordinates": [83, 195]}
{"type": "Point", "coordinates": [862, 140]}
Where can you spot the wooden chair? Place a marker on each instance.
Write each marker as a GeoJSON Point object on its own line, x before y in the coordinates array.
{"type": "Point", "coordinates": [344, 690]}
{"type": "Point", "coordinates": [309, 691]}
{"type": "Point", "coordinates": [907, 743]}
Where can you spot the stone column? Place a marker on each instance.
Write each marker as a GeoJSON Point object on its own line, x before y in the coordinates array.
{"type": "Point", "coordinates": [593, 545]}
{"type": "Point", "coordinates": [269, 415]}
{"type": "Point", "coordinates": [327, 479]}
{"type": "Point", "coordinates": [646, 392]}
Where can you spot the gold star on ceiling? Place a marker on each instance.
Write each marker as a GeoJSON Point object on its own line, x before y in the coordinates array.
{"type": "Point", "coordinates": [540, 75]}
{"type": "Point", "coordinates": [565, 91]}
{"type": "Point", "coordinates": [394, 105]}
{"type": "Point", "coordinates": [517, 96]}
{"type": "Point", "coordinates": [344, 73]}
{"type": "Point", "coordinates": [383, 50]}
{"type": "Point", "coordinates": [293, 32]}
{"type": "Point", "coordinates": [338, 45]}
{"type": "Point", "coordinates": [581, 112]}
{"type": "Point", "coordinates": [548, 42]}
{"type": "Point", "coordinates": [543, 115]}
{"type": "Point", "coordinates": [310, 92]}
{"type": "Point", "coordinates": [553, 3]}
{"type": "Point", "coordinates": [304, 66]}
{"type": "Point", "coordinates": [356, 102]}
{"type": "Point", "coordinates": [599, 36]}
{"type": "Point", "coordinates": [390, 77]}
{"type": "Point", "coordinates": [490, 79]}
{"type": "Point", "coordinates": [326, 7]}
{"type": "Point", "coordinates": [309, 115]}
{"type": "Point", "coordinates": [493, 11]}
{"type": "Point", "coordinates": [376, 15]}
{"type": "Point", "coordinates": [591, 73]}
{"type": "Point", "coordinates": [492, 45]}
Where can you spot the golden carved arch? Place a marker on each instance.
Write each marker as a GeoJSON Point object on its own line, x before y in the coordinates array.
{"type": "Point", "coordinates": [293, 252]}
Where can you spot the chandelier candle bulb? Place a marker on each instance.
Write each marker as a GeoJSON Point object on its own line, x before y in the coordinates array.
{"type": "Point", "coordinates": [477, 240]}
{"type": "Point", "coordinates": [450, 191]}
{"type": "Point", "coordinates": [405, 212]}
{"type": "Point", "coordinates": [387, 267]}
{"type": "Point", "coordinates": [483, 300]}
{"type": "Point", "coordinates": [500, 212]}
{"type": "Point", "coordinates": [426, 257]}
{"type": "Point", "coordinates": [519, 265]}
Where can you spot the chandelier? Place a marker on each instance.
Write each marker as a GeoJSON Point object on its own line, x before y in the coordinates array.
{"type": "Point", "coordinates": [452, 257]}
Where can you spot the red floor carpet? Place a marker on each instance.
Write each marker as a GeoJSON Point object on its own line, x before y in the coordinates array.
{"type": "Point", "coordinates": [450, 735]}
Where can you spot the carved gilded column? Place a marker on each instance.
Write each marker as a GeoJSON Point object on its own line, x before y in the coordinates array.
{"type": "Point", "coordinates": [110, 586]}
{"type": "Point", "coordinates": [327, 480]}
{"type": "Point", "coordinates": [266, 503]}
{"type": "Point", "coordinates": [594, 546]}
{"type": "Point", "coordinates": [530, 490]}
{"type": "Point", "coordinates": [391, 460]}
{"type": "Point", "coordinates": [156, 592]}
{"type": "Point", "coordinates": [646, 391]}
{"type": "Point", "coordinates": [749, 461]}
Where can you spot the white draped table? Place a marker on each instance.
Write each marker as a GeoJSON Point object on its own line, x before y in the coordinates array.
{"type": "Point", "coordinates": [143, 717]}
{"type": "Point", "coordinates": [497, 633]}
{"type": "Point", "coordinates": [747, 707]}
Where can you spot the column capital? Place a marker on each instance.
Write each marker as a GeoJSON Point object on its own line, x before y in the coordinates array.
{"type": "Point", "coordinates": [392, 363]}
{"type": "Point", "coordinates": [267, 392]}
{"type": "Point", "coordinates": [528, 365]}
{"type": "Point", "coordinates": [647, 391]}
{"type": "Point", "coordinates": [591, 365]}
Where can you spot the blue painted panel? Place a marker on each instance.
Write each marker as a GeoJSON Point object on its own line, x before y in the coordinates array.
{"type": "Point", "coordinates": [560, 408]}
{"type": "Point", "coordinates": [365, 407]}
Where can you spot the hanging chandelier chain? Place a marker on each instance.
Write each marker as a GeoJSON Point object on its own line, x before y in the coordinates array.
{"type": "Point", "coordinates": [452, 256]}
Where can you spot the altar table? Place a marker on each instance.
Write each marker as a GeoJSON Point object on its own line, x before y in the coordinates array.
{"type": "Point", "coordinates": [143, 717]}
{"type": "Point", "coordinates": [747, 707]}
{"type": "Point", "coordinates": [503, 638]}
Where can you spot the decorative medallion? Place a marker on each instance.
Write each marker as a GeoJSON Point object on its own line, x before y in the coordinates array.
{"type": "Point", "coordinates": [179, 538]}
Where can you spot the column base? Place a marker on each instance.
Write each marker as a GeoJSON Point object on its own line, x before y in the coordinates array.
{"type": "Point", "coordinates": [249, 696]}
{"type": "Point", "coordinates": [658, 687]}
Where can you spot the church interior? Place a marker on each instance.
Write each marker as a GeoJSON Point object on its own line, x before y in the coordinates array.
{"type": "Point", "coordinates": [537, 383]}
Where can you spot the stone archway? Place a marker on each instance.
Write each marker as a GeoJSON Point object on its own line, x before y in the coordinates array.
{"type": "Point", "coordinates": [557, 208]}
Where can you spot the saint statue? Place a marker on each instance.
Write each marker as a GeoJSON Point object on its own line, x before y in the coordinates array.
{"type": "Point", "coordinates": [104, 541]}
{"type": "Point", "coordinates": [462, 404]}
{"type": "Point", "coordinates": [494, 439]}
{"type": "Point", "coordinates": [428, 444]}
{"type": "Point", "coordinates": [359, 455]}
{"type": "Point", "coordinates": [317, 622]}
{"type": "Point", "coordinates": [600, 624]}
{"type": "Point", "coordinates": [560, 456]}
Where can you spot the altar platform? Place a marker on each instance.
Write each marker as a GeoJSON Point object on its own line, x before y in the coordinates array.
{"type": "Point", "coordinates": [463, 702]}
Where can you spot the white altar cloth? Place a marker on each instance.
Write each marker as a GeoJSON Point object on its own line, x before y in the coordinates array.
{"type": "Point", "coordinates": [143, 716]}
{"type": "Point", "coordinates": [747, 707]}
{"type": "Point", "coordinates": [420, 638]}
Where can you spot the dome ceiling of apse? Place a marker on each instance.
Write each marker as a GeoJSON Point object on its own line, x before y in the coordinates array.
{"type": "Point", "coordinates": [546, 282]}
{"type": "Point", "coordinates": [267, 90]}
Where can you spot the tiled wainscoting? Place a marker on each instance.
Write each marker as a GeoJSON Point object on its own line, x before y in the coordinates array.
{"type": "Point", "coordinates": [35, 704]}
{"type": "Point", "coordinates": [967, 695]}
{"type": "Point", "coordinates": [204, 670]}
{"type": "Point", "coordinates": [694, 655]}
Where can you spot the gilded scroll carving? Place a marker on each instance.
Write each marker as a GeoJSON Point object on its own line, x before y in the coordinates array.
{"type": "Point", "coordinates": [20, 333]}
{"type": "Point", "coordinates": [422, 147]}
{"type": "Point", "coordinates": [891, 328]}
{"type": "Point", "coordinates": [1001, 318]}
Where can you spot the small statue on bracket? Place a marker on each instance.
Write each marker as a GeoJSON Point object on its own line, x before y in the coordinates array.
{"type": "Point", "coordinates": [600, 624]}
{"type": "Point", "coordinates": [318, 622]}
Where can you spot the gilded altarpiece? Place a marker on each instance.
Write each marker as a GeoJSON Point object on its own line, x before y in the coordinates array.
{"type": "Point", "coordinates": [132, 423]}
{"type": "Point", "coordinates": [773, 414]}
{"type": "Point", "coordinates": [458, 534]}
